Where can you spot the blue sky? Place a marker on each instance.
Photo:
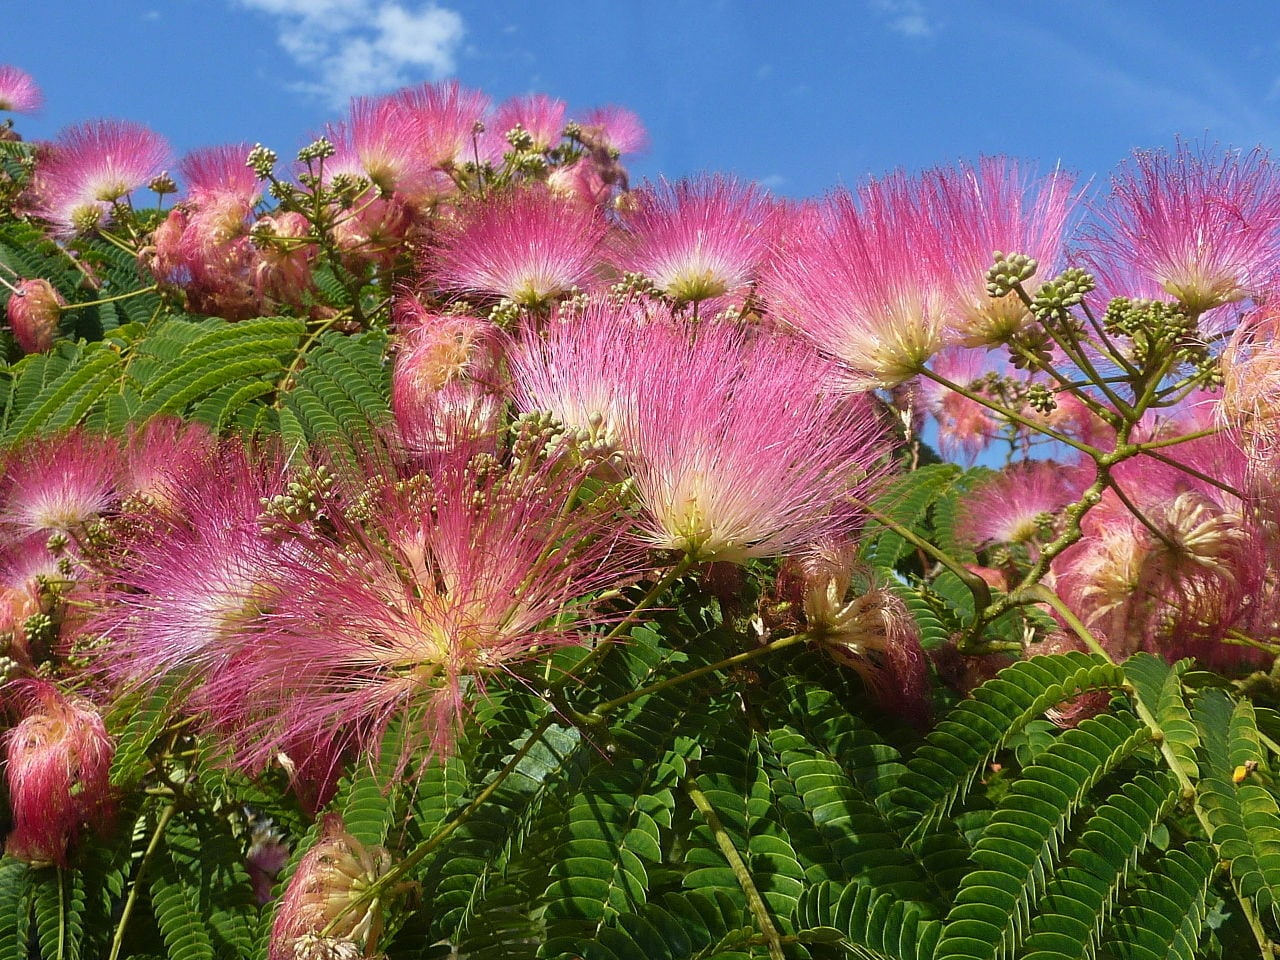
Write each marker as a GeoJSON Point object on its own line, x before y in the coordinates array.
{"type": "Point", "coordinates": [802, 95]}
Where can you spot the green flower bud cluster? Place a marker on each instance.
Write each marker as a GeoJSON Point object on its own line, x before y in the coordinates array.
{"type": "Point", "coordinates": [303, 499]}
{"type": "Point", "coordinates": [262, 161]}
{"type": "Point", "coordinates": [1041, 399]}
{"type": "Point", "coordinates": [319, 149]}
{"type": "Point", "coordinates": [1008, 272]}
{"type": "Point", "coordinates": [1056, 297]}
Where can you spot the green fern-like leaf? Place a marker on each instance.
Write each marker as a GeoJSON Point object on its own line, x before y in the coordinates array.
{"type": "Point", "coordinates": [59, 912]}
{"type": "Point", "coordinates": [15, 909]}
{"type": "Point", "coordinates": [907, 502]}
{"type": "Point", "coordinates": [1158, 686]}
{"type": "Point", "coordinates": [867, 923]}
{"type": "Point", "coordinates": [1019, 845]}
{"type": "Point", "coordinates": [957, 750]}
{"type": "Point", "coordinates": [1166, 920]}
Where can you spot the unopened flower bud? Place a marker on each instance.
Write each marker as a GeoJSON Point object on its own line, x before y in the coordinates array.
{"type": "Point", "coordinates": [318, 911]}
{"type": "Point", "coordinates": [33, 314]}
{"type": "Point", "coordinates": [58, 759]}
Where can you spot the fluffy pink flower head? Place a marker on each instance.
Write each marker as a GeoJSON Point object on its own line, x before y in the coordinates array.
{"type": "Point", "coordinates": [745, 447]}
{"type": "Point", "coordinates": [447, 385]}
{"type": "Point", "coordinates": [1250, 404]}
{"type": "Point", "coordinates": [525, 245]}
{"type": "Point", "coordinates": [188, 591]}
{"type": "Point", "coordinates": [91, 166]}
{"type": "Point", "coordinates": [215, 172]}
{"type": "Point", "coordinates": [57, 761]}
{"type": "Point", "coordinates": [18, 92]}
{"type": "Point", "coordinates": [864, 281]}
{"type": "Point", "coordinates": [696, 239]}
{"type": "Point", "coordinates": [1011, 506]}
{"type": "Point", "coordinates": [577, 369]}
{"type": "Point", "coordinates": [283, 269]}
{"type": "Point", "coordinates": [57, 484]}
{"type": "Point", "coordinates": [23, 564]}
{"type": "Point", "coordinates": [440, 582]}
{"type": "Point", "coordinates": [450, 118]}
{"type": "Point", "coordinates": [615, 130]}
{"type": "Point", "coordinates": [317, 917]}
{"type": "Point", "coordinates": [1205, 227]}
{"type": "Point", "coordinates": [161, 456]}
{"type": "Point", "coordinates": [380, 141]}
{"type": "Point", "coordinates": [539, 116]}
{"type": "Point", "coordinates": [997, 205]}
{"type": "Point", "coordinates": [33, 311]}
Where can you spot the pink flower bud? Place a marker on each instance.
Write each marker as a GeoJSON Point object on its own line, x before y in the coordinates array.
{"type": "Point", "coordinates": [317, 912]}
{"type": "Point", "coordinates": [33, 314]}
{"type": "Point", "coordinates": [58, 759]}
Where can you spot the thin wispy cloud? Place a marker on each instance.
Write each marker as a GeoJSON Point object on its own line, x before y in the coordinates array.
{"type": "Point", "coordinates": [906, 17]}
{"type": "Point", "coordinates": [349, 48]}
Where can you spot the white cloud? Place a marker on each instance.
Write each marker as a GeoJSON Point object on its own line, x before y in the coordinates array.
{"type": "Point", "coordinates": [907, 17]}
{"type": "Point", "coordinates": [355, 47]}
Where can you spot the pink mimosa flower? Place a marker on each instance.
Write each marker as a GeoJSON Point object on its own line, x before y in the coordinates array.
{"type": "Point", "coordinates": [865, 280]}
{"type": "Point", "coordinates": [538, 115]}
{"type": "Point", "coordinates": [91, 166]}
{"type": "Point", "coordinates": [450, 117]}
{"type": "Point", "coordinates": [745, 447]}
{"type": "Point", "coordinates": [57, 484]}
{"type": "Point", "coordinates": [525, 245]}
{"type": "Point", "coordinates": [696, 239]}
{"type": "Point", "coordinates": [18, 91]}
{"type": "Point", "coordinates": [381, 141]}
{"type": "Point", "coordinates": [215, 172]}
{"type": "Point", "coordinates": [57, 761]}
{"type": "Point", "coordinates": [1204, 226]}
{"type": "Point", "coordinates": [614, 129]}
{"type": "Point", "coordinates": [1010, 506]}
{"type": "Point", "coordinates": [33, 311]}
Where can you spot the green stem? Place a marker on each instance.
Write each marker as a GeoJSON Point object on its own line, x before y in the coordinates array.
{"type": "Point", "coordinates": [1193, 472]}
{"type": "Point", "coordinates": [1039, 593]}
{"type": "Point", "coordinates": [119, 296]}
{"type": "Point", "coordinates": [738, 658]}
{"type": "Point", "coordinates": [1150, 445]}
{"type": "Point", "coordinates": [756, 902]}
{"type": "Point", "coordinates": [118, 940]}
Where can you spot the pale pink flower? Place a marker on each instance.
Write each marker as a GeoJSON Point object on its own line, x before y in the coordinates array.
{"type": "Point", "coordinates": [1204, 226]}
{"type": "Point", "coordinates": [18, 91]}
{"type": "Point", "coordinates": [745, 447]}
{"type": "Point", "coordinates": [161, 456]}
{"type": "Point", "coordinates": [965, 427]}
{"type": "Point", "coordinates": [33, 311]}
{"type": "Point", "coordinates": [374, 232]}
{"type": "Point", "coordinates": [614, 129]}
{"type": "Point", "coordinates": [450, 117]}
{"type": "Point", "coordinates": [1250, 404]}
{"type": "Point", "coordinates": [865, 280]}
{"type": "Point", "coordinates": [538, 115]}
{"type": "Point", "coordinates": [90, 167]}
{"type": "Point", "coordinates": [317, 916]}
{"type": "Point", "coordinates": [447, 385]}
{"type": "Point", "coordinates": [283, 269]}
{"type": "Point", "coordinates": [23, 564]}
{"type": "Point", "coordinates": [996, 205]}
{"type": "Point", "coordinates": [525, 245]}
{"type": "Point", "coordinates": [215, 172]}
{"type": "Point", "coordinates": [696, 239]}
{"type": "Point", "coordinates": [57, 762]}
{"type": "Point", "coordinates": [1013, 506]}
{"type": "Point", "coordinates": [59, 483]}
{"type": "Point", "coordinates": [447, 580]}
{"type": "Point", "coordinates": [381, 141]}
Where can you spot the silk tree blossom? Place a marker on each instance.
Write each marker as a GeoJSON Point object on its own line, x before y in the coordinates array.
{"type": "Point", "coordinates": [58, 484]}
{"type": "Point", "coordinates": [1019, 504]}
{"type": "Point", "coordinates": [33, 311]}
{"type": "Point", "coordinates": [381, 141]}
{"type": "Point", "coordinates": [1203, 225]}
{"type": "Point", "coordinates": [965, 427]}
{"type": "Point", "coordinates": [91, 166]}
{"type": "Point", "coordinates": [1250, 405]}
{"type": "Point", "coordinates": [448, 385]}
{"type": "Point", "coordinates": [579, 368]}
{"type": "Point", "coordinates": [187, 591]}
{"type": "Point", "coordinates": [450, 118]}
{"type": "Point", "coordinates": [524, 245]}
{"type": "Point", "coordinates": [696, 239]}
{"type": "Point", "coordinates": [540, 117]}
{"type": "Point", "coordinates": [18, 91]}
{"type": "Point", "coordinates": [613, 129]}
{"type": "Point", "coordinates": [437, 584]}
{"type": "Point", "coordinates": [56, 763]}
{"type": "Point", "coordinates": [744, 447]}
{"type": "Point", "coordinates": [865, 280]}
{"type": "Point", "coordinates": [996, 205]}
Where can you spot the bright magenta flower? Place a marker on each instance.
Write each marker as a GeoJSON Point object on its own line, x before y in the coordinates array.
{"type": "Point", "coordinates": [538, 115]}
{"type": "Point", "coordinates": [57, 484]}
{"type": "Point", "coordinates": [1205, 227]}
{"type": "Point", "coordinates": [33, 311]}
{"type": "Point", "coordinates": [866, 280]}
{"type": "Point", "coordinates": [525, 245]}
{"type": "Point", "coordinates": [57, 761]}
{"type": "Point", "coordinates": [745, 447]}
{"type": "Point", "coordinates": [381, 141]}
{"type": "Point", "coordinates": [445, 580]}
{"type": "Point", "coordinates": [996, 205]}
{"type": "Point", "coordinates": [18, 91]}
{"type": "Point", "coordinates": [696, 239]}
{"type": "Point", "coordinates": [91, 166]}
